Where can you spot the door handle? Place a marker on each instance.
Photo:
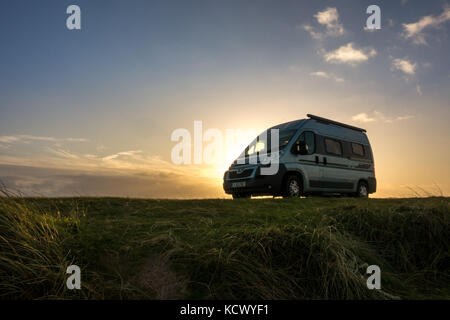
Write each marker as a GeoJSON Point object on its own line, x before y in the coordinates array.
{"type": "Point", "coordinates": [324, 161]}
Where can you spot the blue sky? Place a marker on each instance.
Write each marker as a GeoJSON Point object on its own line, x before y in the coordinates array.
{"type": "Point", "coordinates": [140, 69]}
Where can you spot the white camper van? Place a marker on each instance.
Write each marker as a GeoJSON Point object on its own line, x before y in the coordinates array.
{"type": "Point", "coordinates": [316, 156]}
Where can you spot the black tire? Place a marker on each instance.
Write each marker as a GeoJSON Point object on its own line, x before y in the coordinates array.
{"type": "Point", "coordinates": [293, 187]}
{"type": "Point", "coordinates": [241, 195]}
{"type": "Point", "coordinates": [363, 190]}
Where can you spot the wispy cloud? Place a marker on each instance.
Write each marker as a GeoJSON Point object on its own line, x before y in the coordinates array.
{"type": "Point", "coordinates": [414, 31]}
{"type": "Point", "coordinates": [363, 117]}
{"type": "Point", "coordinates": [401, 118]}
{"type": "Point", "coordinates": [419, 89]}
{"type": "Point", "coordinates": [52, 182]}
{"type": "Point", "coordinates": [408, 69]}
{"type": "Point", "coordinates": [377, 116]}
{"type": "Point", "coordinates": [133, 162]}
{"type": "Point", "coordinates": [26, 138]}
{"type": "Point", "coordinates": [348, 54]}
{"type": "Point", "coordinates": [326, 75]}
{"type": "Point", "coordinates": [404, 65]}
{"type": "Point", "coordinates": [131, 153]}
{"type": "Point", "coordinates": [58, 172]}
{"type": "Point", "coordinates": [329, 18]}
{"type": "Point", "coordinates": [62, 153]}
{"type": "Point", "coordinates": [312, 32]}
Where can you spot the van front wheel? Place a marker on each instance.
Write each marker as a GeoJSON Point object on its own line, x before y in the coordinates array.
{"type": "Point", "coordinates": [363, 190]}
{"type": "Point", "coordinates": [292, 187]}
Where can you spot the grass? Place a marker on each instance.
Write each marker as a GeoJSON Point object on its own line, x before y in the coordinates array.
{"type": "Point", "coordinates": [313, 248]}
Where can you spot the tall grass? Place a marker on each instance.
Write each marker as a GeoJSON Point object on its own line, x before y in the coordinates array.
{"type": "Point", "coordinates": [33, 260]}
{"type": "Point", "coordinates": [326, 259]}
{"type": "Point", "coordinates": [414, 238]}
{"type": "Point", "coordinates": [288, 262]}
{"type": "Point", "coordinates": [218, 249]}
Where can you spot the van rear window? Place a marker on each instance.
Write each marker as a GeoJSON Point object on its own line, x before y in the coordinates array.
{"type": "Point", "coordinates": [333, 147]}
{"type": "Point", "coordinates": [358, 149]}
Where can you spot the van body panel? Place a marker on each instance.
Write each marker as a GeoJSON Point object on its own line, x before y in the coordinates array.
{"type": "Point", "coordinates": [339, 159]}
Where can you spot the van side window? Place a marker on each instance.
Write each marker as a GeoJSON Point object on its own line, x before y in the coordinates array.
{"type": "Point", "coordinates": [309, 138]}
{"type": "Point", "coordinates": [358, 149]}
{"type": "Point", "coordinates": [333, 147]}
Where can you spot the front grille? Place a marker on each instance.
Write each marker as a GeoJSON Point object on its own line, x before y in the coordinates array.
{"type": "Point", "coordinates": [244, 174]}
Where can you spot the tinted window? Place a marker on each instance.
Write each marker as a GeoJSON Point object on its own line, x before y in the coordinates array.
{"type": "Point", "coordinates": [309, 139]}
{"type": "Point", "coordinates": [358, 149]}
{"type": "Point", "coordinates": [262, 143]}
{"type": "Point", "coordinates": [310, 142]}
{"type": "Point", "coordinates": [285, 136]}
{"type": "Point", "coordinates": [333, 146]}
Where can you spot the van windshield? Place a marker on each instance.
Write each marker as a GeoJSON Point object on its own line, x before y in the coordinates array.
{"type": "Point", "coordinates": [263, 143]}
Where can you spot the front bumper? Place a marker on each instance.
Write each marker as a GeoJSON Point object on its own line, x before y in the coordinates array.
{"type": "Point", "coordinates": [255, 183]}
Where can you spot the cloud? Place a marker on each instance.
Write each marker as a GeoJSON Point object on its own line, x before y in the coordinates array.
{"type": "Point", "coordinates": [408, 68]}
{"type": "Point", "coordinates": [26, 138]}
{"type": "Point", "coordinates": [414, 31]}
{"type": "Point", "coordinates": [405, 66]}
{"type": "Point", "coordinates": [50, 182]}
{"type": "Point", "coordinates": [349, 55]}
{"type": "Point", "coordinates": [401, 118]}
{"type": "Point", "coordinates": [121, 163]}
{"type": "Point", "coordinates": [58, 172]}
{"type": "Point", "coordinates": [363, 117]}
{"type": "Point", "coordinates": [312, 32]}
{"type": "Point", "coordinates": [62, 153]}
{"type": "Point", "coordinates": [8, 139]}
{"type": "Point", "coordinates": [328, 18]}
{"type": "Point", "coordinates": [379, 117]}
{"type": "Point", "coordinates": [419, 89]}
{"type": "Point", "coordinates": [325, 75]}
{"type": "Point", "coordinates": [369, 29]}
{"type": "Point", "coordinates": [123, 153]}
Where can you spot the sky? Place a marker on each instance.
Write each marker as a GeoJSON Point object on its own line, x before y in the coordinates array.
{"type": "Point", "coordinates": [92, 111]}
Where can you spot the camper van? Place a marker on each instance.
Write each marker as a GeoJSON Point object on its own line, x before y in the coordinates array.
{"type": "Point", "coordinates": [315, 156]}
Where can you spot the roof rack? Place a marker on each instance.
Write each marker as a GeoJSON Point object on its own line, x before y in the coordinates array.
{"type": "Point", "coordinates": [328, 121]}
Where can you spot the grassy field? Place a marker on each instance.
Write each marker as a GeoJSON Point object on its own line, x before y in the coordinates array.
{"type": "Point", "coordinates": [313, 248]}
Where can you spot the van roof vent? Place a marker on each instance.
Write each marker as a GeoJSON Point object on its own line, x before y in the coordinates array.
{"type": "Point", "coordinates": [328, 121]}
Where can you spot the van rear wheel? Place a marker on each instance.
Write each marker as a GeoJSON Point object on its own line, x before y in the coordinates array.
{"type": "Point", "coordinates": [363, 190]}
{"type": "Point", "coordinates": [293, 187]}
